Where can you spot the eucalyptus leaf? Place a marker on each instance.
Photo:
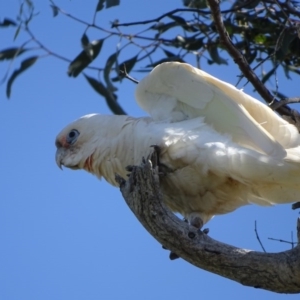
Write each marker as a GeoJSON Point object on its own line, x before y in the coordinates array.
{"type": "Point", "coordinates": [7, 22]}
{"type": "Point", "coordinates": [107, 69]}
{"type": "Point", "coordinates": [100, 5]}
{"type": "Point", "coordinates": [11, 53]}
{"type": "Point", "coordinates": [110, 98]}
{"type": "Point", "coordinates": [85, 57]}
{"type": "Point", "coordinates": [111, 3]}
{"type": "Point", "coordinates": [55, 10]}
{"type": "Point", "coordinates": [125, 66]}
{"type": "Point", "coordinates": [24, 66]}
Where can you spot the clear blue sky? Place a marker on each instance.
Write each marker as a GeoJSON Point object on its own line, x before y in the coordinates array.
{"type": "Point", "coordinates": [66, 235]}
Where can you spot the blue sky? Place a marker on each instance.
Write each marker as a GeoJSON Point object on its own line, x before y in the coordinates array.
{"type": "Point", "coordinates": [67, 235]}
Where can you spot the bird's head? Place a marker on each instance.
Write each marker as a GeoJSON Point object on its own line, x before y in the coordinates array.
{"type": "Point", "coordinates": [76, 143]}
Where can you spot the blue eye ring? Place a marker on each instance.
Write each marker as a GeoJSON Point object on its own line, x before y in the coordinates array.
{"type": "Point", "coordinates": [72, 136]}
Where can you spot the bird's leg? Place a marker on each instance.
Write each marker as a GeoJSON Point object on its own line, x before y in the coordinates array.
{"type": "Point", "coordinates": [154, 157]}
{"type": "Point", "coordinates": [195, 220]}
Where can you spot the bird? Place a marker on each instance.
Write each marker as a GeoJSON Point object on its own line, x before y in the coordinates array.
{"type": "Point", "coordinates": [222, 148]}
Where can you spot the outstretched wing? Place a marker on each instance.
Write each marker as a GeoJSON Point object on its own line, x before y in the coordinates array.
{"type": "Point", "coordinates": [174, 92]}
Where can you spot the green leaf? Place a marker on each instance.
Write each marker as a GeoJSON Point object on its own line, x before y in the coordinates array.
{"type": "Point", "coordinates": [85, 57]}
{"type": "Point", "coordinates": [7, 22]}
{"type": "Point", "coordinates": [289, 68]}
{"type": "Point", "coordinates": [168, 53]}
{"type": "Point", "coordinates": [193, 44]}
{"type": "Point", "coordinates": [55, 10]}
{"type": "Point", "coordinates": [17, 32]}
{"type": "Point", "coordinates": [260, 39]}
{"type": "Point", "coordinates": [162, 27]}
{"type": "Point", "coordinates": [100, 5]}
{"type": "Point", "coordinates": [11, 53]}
{"type": "Point", "coordinates": [267, 76]}
{"type": "Point", "coordinates": [110, 98]}
{"type": "Point", "coordinates": [127, 66]}
{"type": "Point", "coordinates": [178, 20]}
{"type": "Point", "coordinates": [24, 66]}
{"type": "Point", "coordinates": [98, 86]}
{"type": "Point", "coordinates": [167, 59]}
{"type": "Point", "coordinates": [107, 69]}
{"type": "Point", "coordinates": [216, 58]}
{"type": "Point", "coordinates": [251, 56]}
{"type": "Point", "coordinates": [84, 41]}
{"type": "Point", "coordinates": [284, 43]}
{"type": "Point", "coordinates": [195, 3]}
{"type": "Point", "coordinates": [111, 3]}
{"type": "Point", "coordinates": [183, 23]}
{"type": "Point", "coordinates": [246, 4]}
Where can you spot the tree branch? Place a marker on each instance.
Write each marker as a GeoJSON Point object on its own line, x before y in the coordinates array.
{"type": "Point", "coordinates": [174, 11]}
{"type": "Point", "coordinates": [277, 272]}
{"type": "Point", "coordinates": [289, 114]}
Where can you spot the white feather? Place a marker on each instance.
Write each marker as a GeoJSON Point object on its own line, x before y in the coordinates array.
{"type": "Point", "coordinates": [225, 148]}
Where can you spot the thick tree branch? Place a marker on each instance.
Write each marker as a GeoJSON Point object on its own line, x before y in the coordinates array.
{"type": "Point", "coordinates": [289, 114]}
{"type": "Point", "coordinates": [277, 272]}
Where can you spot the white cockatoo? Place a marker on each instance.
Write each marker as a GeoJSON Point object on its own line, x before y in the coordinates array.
{"type": "Point", "coordinates": [223, 149]}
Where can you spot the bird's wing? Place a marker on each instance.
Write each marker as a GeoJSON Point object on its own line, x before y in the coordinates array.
{"type": "Point", "coordinates": [203, 151]}
{"type": "Point", "coordinates": [174, 92]}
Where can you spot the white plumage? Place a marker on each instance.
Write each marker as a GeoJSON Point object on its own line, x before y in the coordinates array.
{"type": "Point", "coordinates": [225, 148]}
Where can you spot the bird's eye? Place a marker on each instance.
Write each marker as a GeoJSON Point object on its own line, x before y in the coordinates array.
{"type": "Point", "coordinates": [72, 136]}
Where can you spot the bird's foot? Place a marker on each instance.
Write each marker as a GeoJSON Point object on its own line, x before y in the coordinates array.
{"type": "Point", "coordinates": [163, 169]}
{"type": "Point", "coordinates": [120, 180]}
{"type": "Point", "coordinates": [195, 220]}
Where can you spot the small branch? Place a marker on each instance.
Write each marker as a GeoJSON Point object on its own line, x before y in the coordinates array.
{"type": "Point", "coordinates": [126, 75]}
{"type": "Point", "coordinates": [277, 272]}
{"type": "Point", "coordinates": [258, 238]}
{"type": "Point", "coordinates": [284, 102]}
{"type": "Point", "coordinates": [92, 25]}
{"type": "Point", "coordinates": [161, 17]}
{"type": "Point", "coordinates": [240, 60]}
{"type": "Point", "coordinates": [283, 241]}
{"type": "Point", "coordinates": [174, 11]}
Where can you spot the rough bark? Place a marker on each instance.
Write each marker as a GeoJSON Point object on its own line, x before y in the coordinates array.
{"type": "Point", "coordinates": [277, 272]}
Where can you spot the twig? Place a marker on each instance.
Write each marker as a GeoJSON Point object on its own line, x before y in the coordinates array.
{"type": "Point", "coordinates": [161, 17]}
{"type": "Point", "coordinates": [283, 241]}
{"type": "Point", "coordinates": [128, 36]}
{"type": "Point", "coordinates": [126, 75]}
{"type": "Point", "coordinates": [174, 11]}
{"type": "Point", "coordinates": [258, 238]}
{"type": "Point", "coordinates": [241, 61]}
{"type": "Point", "coordinates": [285, 101]}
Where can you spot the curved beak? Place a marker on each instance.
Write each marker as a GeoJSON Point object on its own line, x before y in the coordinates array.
{"type": "Point", "coordinates": [59, 157]}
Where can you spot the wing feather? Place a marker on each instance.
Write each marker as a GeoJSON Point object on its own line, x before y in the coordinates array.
{"type": "Point", "coordinates": [175, 92]}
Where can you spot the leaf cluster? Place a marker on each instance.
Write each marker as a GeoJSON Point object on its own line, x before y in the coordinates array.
{"type": "Point", "coordinates": [263, 32]}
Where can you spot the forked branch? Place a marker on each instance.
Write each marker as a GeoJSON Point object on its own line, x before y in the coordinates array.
{"type": "Point", "coordinates": [277, 272]}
